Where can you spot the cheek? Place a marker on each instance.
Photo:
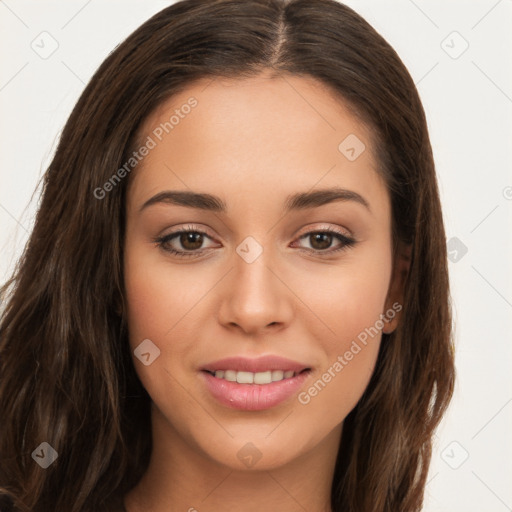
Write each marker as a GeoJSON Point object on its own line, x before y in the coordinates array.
{"type": "Point", "coordinates": [158, 298]}
{"type": "Point", "coordinates": [161, 304]}
{"type": "Point", "coordinates": [350, 300]}
{"type": "Point", "coordinates": [345, 298]}
{"type": "Point", "coordinates": [336, 389]}
{"type": "Point", "coordinates": [349, 357]}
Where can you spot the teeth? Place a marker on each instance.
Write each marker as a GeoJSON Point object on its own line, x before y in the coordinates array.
{"type": "Point", "coordinates": [254, 378]}
{"type": "Point", "coordinates": [229, 375]}
{"type": "Point", "coordinates": [245, 377]}
{"type": "Point", "coordinates": [263, 377]}
{"type": "Point", "coordinates": [277, 375]}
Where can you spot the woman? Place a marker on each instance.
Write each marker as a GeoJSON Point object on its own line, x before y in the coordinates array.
{"type": "Point", "coordinates": [236, 290]}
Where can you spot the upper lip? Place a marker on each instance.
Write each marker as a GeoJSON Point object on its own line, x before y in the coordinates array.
{"type": "Point", "coordinates": [255, 365]}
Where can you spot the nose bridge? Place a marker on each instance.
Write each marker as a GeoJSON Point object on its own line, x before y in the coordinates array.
{"type": "Point", "coordinates": [255, 297]}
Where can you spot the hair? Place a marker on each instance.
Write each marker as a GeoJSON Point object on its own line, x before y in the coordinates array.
{"type": "Point", "coordinates": [66, 372]}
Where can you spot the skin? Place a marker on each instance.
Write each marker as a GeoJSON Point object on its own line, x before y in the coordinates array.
{"type": "Point", "coordinates": [253, 142]}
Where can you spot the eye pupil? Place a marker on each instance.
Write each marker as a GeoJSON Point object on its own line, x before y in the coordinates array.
{"type": "Point", "coordinates": [317, 237]}
{"type": "Point", "coordinates": [196, 239]}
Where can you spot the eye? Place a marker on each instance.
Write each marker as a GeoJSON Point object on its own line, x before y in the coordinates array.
{"type": "Point", "coordinates": [189, 241]}
{"type": "Point", "coordinates": [321, 241]}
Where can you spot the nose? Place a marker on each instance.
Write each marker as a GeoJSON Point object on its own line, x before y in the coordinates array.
{"type": "Point", "coordinates": [255, 297]}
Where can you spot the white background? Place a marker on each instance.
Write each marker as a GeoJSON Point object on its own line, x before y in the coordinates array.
{"type": "Point", "coordinates": [468, 101]}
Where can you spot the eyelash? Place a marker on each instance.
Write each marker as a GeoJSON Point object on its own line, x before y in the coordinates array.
{"type": "Point", "coordinates": [161, 242]}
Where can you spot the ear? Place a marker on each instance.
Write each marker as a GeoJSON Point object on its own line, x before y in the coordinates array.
{"type": "Point", "coordinates": [395, 297]}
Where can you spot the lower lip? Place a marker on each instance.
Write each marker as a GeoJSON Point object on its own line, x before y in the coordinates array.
{"type": "Point", "coordinates": [253, 397]}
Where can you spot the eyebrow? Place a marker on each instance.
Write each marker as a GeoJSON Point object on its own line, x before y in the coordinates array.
{"type": "Point", "coordinates": [294, 202]}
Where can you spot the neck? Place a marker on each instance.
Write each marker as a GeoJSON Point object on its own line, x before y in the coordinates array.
{"type": "Point", "coordinates": [181, 477]}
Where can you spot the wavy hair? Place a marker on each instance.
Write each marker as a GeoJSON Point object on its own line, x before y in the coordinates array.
{"type": "Point", "coordinates": [66, 373]}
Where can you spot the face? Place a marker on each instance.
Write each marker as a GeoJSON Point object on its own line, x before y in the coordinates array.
{"type": "Point", "coordinates": [288, 283]}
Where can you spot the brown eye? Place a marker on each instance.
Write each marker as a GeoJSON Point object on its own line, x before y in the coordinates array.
{"type": "Point", "coordinates": [191, 241]}
{"type": "Point", "coordinates": [185, 242]}
{"type": "Point", "coordinates": [320, 241]}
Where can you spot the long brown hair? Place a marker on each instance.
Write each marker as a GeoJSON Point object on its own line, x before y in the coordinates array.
{"type": "Point", "coordinates": [66, 374]}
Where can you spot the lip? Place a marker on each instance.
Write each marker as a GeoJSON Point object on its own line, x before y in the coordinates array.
{"type": "Point", "coordinates": [254, 397]}
{"type": "Point", "coordinates": [255, 365]}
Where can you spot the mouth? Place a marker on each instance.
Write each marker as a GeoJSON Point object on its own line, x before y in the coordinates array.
{"type": "Point", "coordinates": [260, 378]}
{"type": "Point", "coordinates": [254, 384]}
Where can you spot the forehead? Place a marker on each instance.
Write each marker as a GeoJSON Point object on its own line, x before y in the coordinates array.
{"type": "Point", "coordinates": [260, 137]}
